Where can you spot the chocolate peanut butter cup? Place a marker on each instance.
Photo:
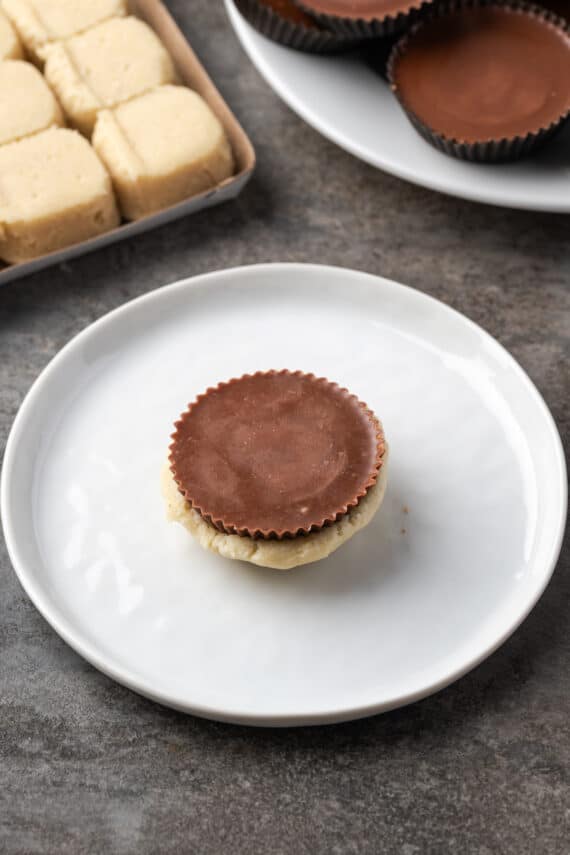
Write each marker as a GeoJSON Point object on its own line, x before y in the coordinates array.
{"type": "Point", "coordinates": [365, 19]}
{"type": "Point", "coordinates": [485, 81]}
{"type": "Point", "coordinates": [276, 454]}
{"type": "Point", "coordinates": [284, 22]}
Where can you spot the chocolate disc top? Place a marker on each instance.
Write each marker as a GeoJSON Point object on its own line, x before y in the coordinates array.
{"type": "Point", "coordinates": [275, 454]}
{"type": "Point", "coordinates": [485, 73]}
{"type": "Point", "coordinates": [366, 10]}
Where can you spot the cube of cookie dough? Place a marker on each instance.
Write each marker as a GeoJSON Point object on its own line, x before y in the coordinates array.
{"type": "Point", "coordinates": [161, 148]}
{"type": "Point", "coordinates": [105, 66]}
{"type": "Point", "coordinates": [41, 21]}
{"type": "Point", "coordinates": [54, 191]}
{"type": "Point", "coordinates": [27, 104]}
{"type": "Point", "coordinates": [10, 47]}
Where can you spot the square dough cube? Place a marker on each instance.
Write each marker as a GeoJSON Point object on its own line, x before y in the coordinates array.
{"type": "Point", "coordinates": [10, 47]}
{"type": "Point", "coordinates": [161, 148]}
{"type": "Point", "coordinates": [108, 64]}
{"type": "Point", "coordinates": [27, 104]}
{"type": "Point", "coordinates": [54, 191]}
{"type": "Point", "coordinates": [41, 21]}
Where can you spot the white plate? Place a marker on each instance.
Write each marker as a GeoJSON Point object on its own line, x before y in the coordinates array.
{"type": "Point", "coordinates": [406, 607]}
{"type": "Point", "coordinates": [347, 102]}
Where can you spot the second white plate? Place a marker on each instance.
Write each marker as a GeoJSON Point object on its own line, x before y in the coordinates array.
{"type": "Point", "coordinates": [351, 105]}
{"type": "Point", "coordinates": [462, 548]}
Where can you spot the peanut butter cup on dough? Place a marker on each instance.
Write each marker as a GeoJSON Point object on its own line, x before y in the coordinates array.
{"type": "Point", "coordinates": [365, 18]}
{"type": "Point", "coordinates": [284, 22]}
{"type": "Point", "coordinates": [485, 81]}
{"type": "Point", "coordinates": [278, 468]}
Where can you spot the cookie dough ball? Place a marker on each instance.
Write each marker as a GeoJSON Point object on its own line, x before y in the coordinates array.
{"type": "Point", "coordinates": [10, 47]}
{"type": "Point", "coordinates": [161, 148]}
{"type": "Point", "coordinates": [27, 104]}
{"type": "Point", "coordinates": [103, 67]}
{"type": "Point", "coordinates": [42, 21]}
{"type": "Point", "coordinates": [54, 191]}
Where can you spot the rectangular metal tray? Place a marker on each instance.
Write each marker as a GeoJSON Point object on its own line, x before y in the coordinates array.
{"type": "Point", "coordinates": [193, 74]}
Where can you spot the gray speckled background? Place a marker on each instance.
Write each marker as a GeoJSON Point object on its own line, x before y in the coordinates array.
{"type": "Point", "coordinates": [483, 767]}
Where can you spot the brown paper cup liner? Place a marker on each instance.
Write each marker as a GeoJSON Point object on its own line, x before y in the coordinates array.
{"type": "Point", "coordinates": [505, 149]}
{"type": "Point", "coordinates": [370, 28]}
{"type": "Point", "coordinates": [225, 523]}
{"type": "Point", "coordinates": [559, 7]}
{"type": "Point", "coordinates": [375, 53]}
{"type": "Point", "coordinates": [269, 23]}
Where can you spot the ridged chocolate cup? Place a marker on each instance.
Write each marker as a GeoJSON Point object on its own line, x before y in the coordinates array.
{"type": "Point", "coordinates": [365, 28]}
{"type": "Point", "coordinates": [499, 150]}
{"type": "Point", "coordinates": [269, 23]}
{"type": "Point", "coordinates": [184, 434]}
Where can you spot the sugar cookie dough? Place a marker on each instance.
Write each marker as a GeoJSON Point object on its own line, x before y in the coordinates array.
{"type": "Point", "coordinates": [278, 554]}
{"type": "Point", "coordinates": [160, 148]}
{"type": "Point", "coordinates": [27, 104]}
{"type": "Point", "coordinates": [105, 66]}
{"type": "Point", "coordinates": [10, 47]}
{"type": "Point", "coordinates": [41, 21]}
{"type": "Point", "coordinates": [54, 191]}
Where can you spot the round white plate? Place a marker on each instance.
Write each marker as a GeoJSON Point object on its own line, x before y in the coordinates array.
{"type": "Point", "coordinates": [350, 104]}
{"type": "Point", "coordinates": [461, 550]}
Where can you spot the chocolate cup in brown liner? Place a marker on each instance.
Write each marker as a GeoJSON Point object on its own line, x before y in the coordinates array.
{"type": "Point", "coordinates": [269, 23]}
{"type": "Point", "coordinates": [276, 454]}
{"type": "Point", "coordinates": [486, 150]}
{"type": "Point", "coordinates": [372, 26]}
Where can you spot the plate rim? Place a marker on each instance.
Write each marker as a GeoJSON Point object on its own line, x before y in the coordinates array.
{"type": "Point", "coordinates": [239, 24]}
{"type": "Point", "coordinates": [89, 651]}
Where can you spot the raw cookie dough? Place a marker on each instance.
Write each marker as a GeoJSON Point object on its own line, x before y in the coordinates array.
{"type": "Point", "coordinates": [10, 47]}
{"type": "Point", "coordinates": [54, 191]}
{"type": "Point", "coordinates": [27, 104]}
{"type": "Point", "coordinates": [41, 21]}
{"type": "Point", "coordinates": [278, 554]}
{"type": "Point", "coordinates": [161, 148]}
{"type": "Point", "coordinates": [105, 66]}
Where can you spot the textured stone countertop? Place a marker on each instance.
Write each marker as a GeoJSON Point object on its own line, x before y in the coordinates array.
{"type": "Point", "coordinates": [482, 767]}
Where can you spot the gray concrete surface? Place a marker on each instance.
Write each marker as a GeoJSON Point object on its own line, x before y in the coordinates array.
{"type": "Point", "coordinates": [484, 767]}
